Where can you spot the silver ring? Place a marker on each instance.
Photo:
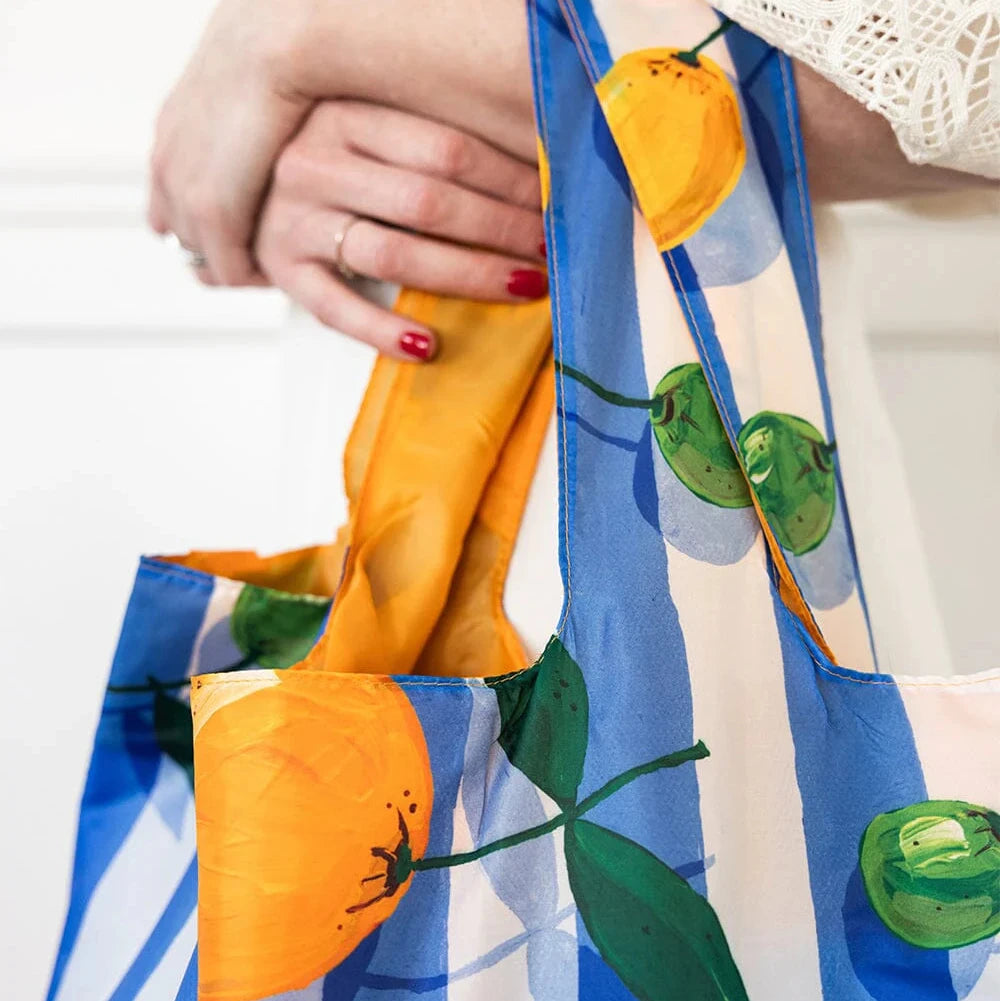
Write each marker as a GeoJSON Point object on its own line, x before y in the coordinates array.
{"type": "Point", "coordinates": [192, 258]}
{"type": "Point", "coordinates": [343, 269]}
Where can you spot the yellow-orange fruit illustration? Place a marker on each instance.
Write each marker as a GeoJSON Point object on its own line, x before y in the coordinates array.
{"type": "Point", "coordinates": [676, 121]}
{"type": "Point", "coordinates": [313, 792]}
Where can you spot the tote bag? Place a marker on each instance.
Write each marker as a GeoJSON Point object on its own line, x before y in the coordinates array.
{"type": "Point", "coordinates": [687, 796]}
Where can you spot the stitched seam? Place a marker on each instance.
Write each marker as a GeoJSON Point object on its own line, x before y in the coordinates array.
{"type": "Point", "coordinates": [151, 565]}
{"type": "Point", "coordinates": [556, 322]}
{"type": "Point", "coordinates": [582, 42]}
{"type": "Point", "coordinates": [341, 678]}
{"type": "Point", "coordinates": [958, 684]}
{"type": "Point", "coordinates": [799, 188]}
{"type": "Point", "coordinates": [580, 36]}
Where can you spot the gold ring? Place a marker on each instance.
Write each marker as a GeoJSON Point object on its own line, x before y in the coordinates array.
{"type": "Point", "coordinates": [343, 269]}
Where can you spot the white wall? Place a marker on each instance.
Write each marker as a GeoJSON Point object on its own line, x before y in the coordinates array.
{"type": "Point", "coordinates": [141, 413]}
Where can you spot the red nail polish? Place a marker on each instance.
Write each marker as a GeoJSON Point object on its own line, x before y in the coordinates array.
{"type": "Point", "coordinates": [416, 344]}
{"type": "Point", "coordinates": [527, 284]}
{"type": "Point", "coordinates": [543, 250]}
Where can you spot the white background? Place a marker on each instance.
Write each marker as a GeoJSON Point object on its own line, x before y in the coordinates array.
{"type": "Point", "coordinates": [140, 413]}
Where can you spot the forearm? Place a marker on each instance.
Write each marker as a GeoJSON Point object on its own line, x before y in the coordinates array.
{"type": "Point", "coordinates": [463, 62]}
{"type": "Point", "coordinates": [852, 153]}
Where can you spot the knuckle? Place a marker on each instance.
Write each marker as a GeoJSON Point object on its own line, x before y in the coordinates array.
{"type": "Point", "coordinates": [235, 273]}
{"type": "Point", "coordinates": [483, 279]}
{"type": "Point", "coordinates": [296, 165]}
{"type": "Point", "coordinates": [158, 165]}
{"type": "Point", "coordinates": [327, 311]}
{"type": "Point", "coordinates": [527, 191]}
{"type": "Point", "coordinates": [206, 208]}
{"type": "Point", "coordinates": [387, 256]}
{"type": "Point", "coordinates": [289, 168]}
{"type": "Point", "coordinates": [424, 204]}
{"type": "Point", "coordinates": [507, 230]}
{"type": "Point", "coordinates": [452, 154]}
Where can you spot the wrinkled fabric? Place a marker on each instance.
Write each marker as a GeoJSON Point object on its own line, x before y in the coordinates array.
{"type": "Point", "coordinates": [687, 796]}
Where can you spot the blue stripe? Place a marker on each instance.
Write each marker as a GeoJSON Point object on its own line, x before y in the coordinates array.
{"type": "Point", "coordinates": [173, 919]}
{"type": "Point", "coordinates": [699, 320]}
{"type": "Point", "coordinates": [164, 614]}
{"type": "Point", "coordinates": [188, 990]}
{"type": "Point", "coordinates": [444, 713]}
{"type": "Point", "coordinates": [855, 757]}
{"type": "Point", "coordinates": [631, 652]}
{"type": "Point", "coordinates": [592, 47]}
{"type": "Point", "coordinates": [767, 86]}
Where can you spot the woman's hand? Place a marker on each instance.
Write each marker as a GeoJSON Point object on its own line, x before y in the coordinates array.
{"type": "Point", "coordinates": [262, 64]}
{"type": "Point", "coordinates": [403, 199]}
{"type": "Point", "coordinates": [219, 132]}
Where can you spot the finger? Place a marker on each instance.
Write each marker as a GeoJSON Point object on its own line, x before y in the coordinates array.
{"type": "Point", "coordinates": [229, 260]}
{"type": "Point", "coordinates": [157, 211]}
{"type": "Point", "coordinates": [430, 147]}
{"type": "Point", "coordinates": [417, 261]}
{"type": "Point", "coordinates": [314, 288]}
{"type": "Point", "coordinates": [429, 205]}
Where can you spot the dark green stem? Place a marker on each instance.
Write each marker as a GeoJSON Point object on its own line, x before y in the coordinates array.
{"type": "Point", "coordinates": [605, 394]}
{"type": "Point", "coordinates": [167, 686]}
{"type": "Point", "coordinates": [691, 55]}
{"type": "Point", "coordinates": [447, 861]}
{"type": "Point", "coordinates": [667, 761]}
{"type": "Point", "coordinates": [694, 753]}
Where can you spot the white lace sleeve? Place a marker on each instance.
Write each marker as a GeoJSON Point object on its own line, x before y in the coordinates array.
{"type": "Point", "coordinates": [931, 67]}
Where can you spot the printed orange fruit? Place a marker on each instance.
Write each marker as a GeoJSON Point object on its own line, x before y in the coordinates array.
{"type": "Point", "coordinates": [676, 121]}
{"type": "Point", "coordinates": [313, 792]}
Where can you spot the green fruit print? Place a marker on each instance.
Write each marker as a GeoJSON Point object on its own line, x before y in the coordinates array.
{"type": "Point", "coordinates": [932, 872]}
{"type": "Point", "coordinates": [791, 469]}
{"type": "Point", "coordinates": [688, 431]}
{"type": "Point", "coordinates": [274, 628]}
{"type": "Point", "coordinates": [692, 439]}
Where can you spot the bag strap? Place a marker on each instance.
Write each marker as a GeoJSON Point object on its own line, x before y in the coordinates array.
{"type": "Point", "coordinates": [437, 470]}
{"type": "Point", "coordinates": [756, 335]}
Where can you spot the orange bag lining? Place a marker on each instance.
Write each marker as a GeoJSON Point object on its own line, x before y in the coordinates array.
{"type": "Point", "coordinates": [396, 491]}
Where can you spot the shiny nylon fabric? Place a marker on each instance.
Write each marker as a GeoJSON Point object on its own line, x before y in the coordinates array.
{"type": "Point", "coordinates": [685, 796]}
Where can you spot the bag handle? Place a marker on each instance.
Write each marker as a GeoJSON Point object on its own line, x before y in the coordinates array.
{"type": "Point", "coordinates": [437, 470]}
{"type": "Point", "coordinates": [675, 198]}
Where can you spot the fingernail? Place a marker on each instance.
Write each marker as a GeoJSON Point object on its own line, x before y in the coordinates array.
{"type": "Point", "coordinates": [527, 284]}
{"type": "Point", "coordinates": [542, 249]}
{"type": "Point", "coordinates": [415, 344]}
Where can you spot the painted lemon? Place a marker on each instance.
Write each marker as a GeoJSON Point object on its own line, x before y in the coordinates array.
{"type": "Point", "coordinates": [692, 439]}
{"type": "Point", "coordinates": [791, 468]}
{"type": "Point", "coordinates": [932, 872]}
{"type": "Point", "coordinates": [313, 793]}
{"type": "Point", "coordinates": [676, 121]}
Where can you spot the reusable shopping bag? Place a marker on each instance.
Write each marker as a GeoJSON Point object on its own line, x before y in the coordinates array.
{"type": "Point", "coordinates": [687, 797]}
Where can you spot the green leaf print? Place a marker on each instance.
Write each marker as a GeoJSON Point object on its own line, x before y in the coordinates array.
{"type": "Point", "coordinates": [791, 469]}
{"type": "Point", "coordinates": [692, 439]}
{"type": "Point", "coordinates": [278, 629]}
{"type": "Point", "coordinates": [543, 722]}
{"type": "Point", "coordinates": [661, 937]}
{"type": "Point", "coordinates": [174, 731]}
{"type": "Point", "coordinates": [932, 872]}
